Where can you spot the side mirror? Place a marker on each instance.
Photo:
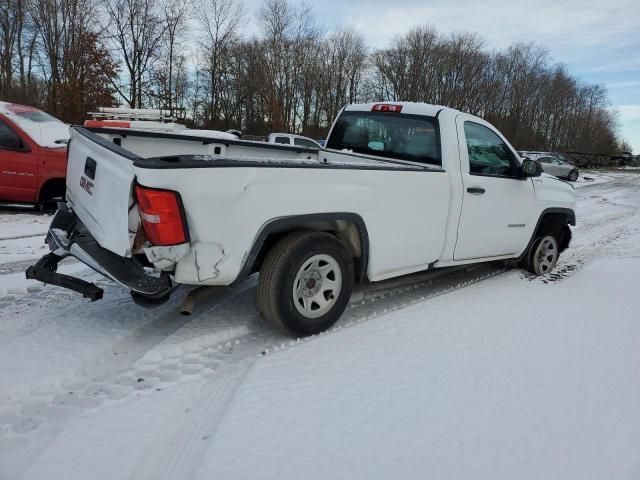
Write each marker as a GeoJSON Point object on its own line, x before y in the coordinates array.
{"type": "Point", "coordinates": [531, 168]}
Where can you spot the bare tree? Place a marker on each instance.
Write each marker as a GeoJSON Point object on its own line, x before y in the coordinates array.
{"type": "Point", "coordinates": [169, 74]}
{"type": "Point", "coordinates": [291, 75]}
{"type": "Point", "coordinates": [137, 33]}
{"type": "Point", "coordinates": [17, 48]}
{"type": "Point", "coordinates": [8, 35]}
{"type": "Point", "coordinates": [219, 21]}
{"type": "Point", "coordinates": [75, 65]}
{"type": "Point", "coordinates": [344, 64]}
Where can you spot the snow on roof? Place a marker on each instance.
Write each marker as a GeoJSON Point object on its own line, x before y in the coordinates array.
{"type": "Point", "coordinates": [45, 130]}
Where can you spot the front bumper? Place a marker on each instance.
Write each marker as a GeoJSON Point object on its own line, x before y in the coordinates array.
{"type": "Point", "coordinates": [69, 237]}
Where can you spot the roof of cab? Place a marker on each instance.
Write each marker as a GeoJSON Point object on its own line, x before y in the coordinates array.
{"type": "Point", "coordinates": [47, 131]}
{"type": "Point", "coordinates": [411, 108]}
{"type": "Point", "coordinates": [9, 108]}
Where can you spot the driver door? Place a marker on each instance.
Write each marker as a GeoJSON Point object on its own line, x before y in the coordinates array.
{"type": "Point", "coordinates": [497, 203]}
{"type": "Point", "coordinates": [18, 167]}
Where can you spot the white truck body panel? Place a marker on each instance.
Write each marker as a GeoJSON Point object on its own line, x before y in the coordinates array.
{"type": "Point", "coordinates": [102, 203]}
{"type": "Point", "coordinates": [233, 221]}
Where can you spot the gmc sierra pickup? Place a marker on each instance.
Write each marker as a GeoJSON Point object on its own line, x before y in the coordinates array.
{"type": "Point", "coordinates": [401, 187]}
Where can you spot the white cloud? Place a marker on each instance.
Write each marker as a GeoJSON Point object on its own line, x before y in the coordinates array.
{"type": "Point", "coordinates": [583, 24]}
{"type": "Point", "coordinates": [628, 113]}
{"type": "Point", "coordinates": [624, 84]}
{"type": "Point", "coordinates": [629, 116]}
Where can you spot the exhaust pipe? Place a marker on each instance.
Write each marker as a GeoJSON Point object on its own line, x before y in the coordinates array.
{"type": "Point", "coordinates": [195, 296]}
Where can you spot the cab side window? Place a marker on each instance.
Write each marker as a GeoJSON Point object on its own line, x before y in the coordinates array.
{"type": "Point", "coordinates": [488, 154]}
{"type": "Point", "coordinates": [9, 140]}
{"type": "Point", "coordinates": [283, 140]}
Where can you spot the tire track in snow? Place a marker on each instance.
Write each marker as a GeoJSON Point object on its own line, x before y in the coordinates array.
{"type": "Point", "coordinates": [186, 453]}
{"type": "Point", "coordinates": [20, 237]}
{"type": "Point", "coordinates": [124, 353]}
{"type": "Point", "coordinates": [54, 410]}
{"type": "Point", "coordinates": [28, 427]}
{"type": "Point", "coordinates": [188, 447]}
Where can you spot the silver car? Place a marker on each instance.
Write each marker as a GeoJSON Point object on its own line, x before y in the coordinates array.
{"type": "Point", "coordinates": [558, 168]}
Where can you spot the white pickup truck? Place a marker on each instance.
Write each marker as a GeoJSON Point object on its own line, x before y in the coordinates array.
{"type": "Point", "coordinates": [401, 187]}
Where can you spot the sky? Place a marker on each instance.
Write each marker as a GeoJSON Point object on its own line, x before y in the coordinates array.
{"type": "Point", "coordinates": [599, 41]}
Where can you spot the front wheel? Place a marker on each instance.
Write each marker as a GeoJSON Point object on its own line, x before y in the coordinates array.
{"type": "Point", "coordinates": [305, 282]}
{"type": "Point", "coordinates": [543, 255]}
{"type": "Point", "coordinates": [573, 175]}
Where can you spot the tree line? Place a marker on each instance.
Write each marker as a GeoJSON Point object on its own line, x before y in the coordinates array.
{"type": "Point", "coordinates": [194, 58]}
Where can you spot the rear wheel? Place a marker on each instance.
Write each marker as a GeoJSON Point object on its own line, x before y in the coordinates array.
{"type": "Point", "coordinates": [305, 282]}
{"type": "Point", "coordinates": [573, 175]}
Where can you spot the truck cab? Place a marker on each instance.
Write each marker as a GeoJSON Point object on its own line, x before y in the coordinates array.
{"type": "Point", "coordinates": [33, 155]}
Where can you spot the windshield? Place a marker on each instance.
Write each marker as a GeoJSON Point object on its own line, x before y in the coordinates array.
{"type": "Point", "coordinates": [391, 135]}
{"type": "Point", "coordinates": [44, 129]}
{"type": "Point", "coordinates": [37, 116]}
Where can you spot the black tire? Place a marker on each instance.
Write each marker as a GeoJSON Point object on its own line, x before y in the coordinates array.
{"type": "Point", "coordinates": [573, 175]}
{"type": "Point", "coordinates": [535, 261]}
{"type": "Point", "coordinates": [276, 295]}
{"type": "Point", "coordinates": [149, 301]}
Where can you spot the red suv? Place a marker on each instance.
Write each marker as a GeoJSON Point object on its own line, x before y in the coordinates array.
{"type": "Point", "coordinates": [33, 155]}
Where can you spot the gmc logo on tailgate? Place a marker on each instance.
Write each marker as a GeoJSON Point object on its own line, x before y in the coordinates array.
{"type": "Point", "coordinates": [87, 185]}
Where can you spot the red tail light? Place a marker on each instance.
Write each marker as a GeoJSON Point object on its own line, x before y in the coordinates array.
{"type": "Point", "coordinates": [162, 216]}
{"type": "Point", "coordinates": [386, 107]}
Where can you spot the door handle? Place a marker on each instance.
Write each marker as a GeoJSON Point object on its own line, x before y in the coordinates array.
{"type": "Point", "coordinates": [476, 190]}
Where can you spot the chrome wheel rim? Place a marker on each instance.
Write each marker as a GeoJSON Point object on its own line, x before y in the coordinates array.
{"type": "Point", "coordinates": [546, 255]}
{"type": "Point", "coordinates": [317, 286]}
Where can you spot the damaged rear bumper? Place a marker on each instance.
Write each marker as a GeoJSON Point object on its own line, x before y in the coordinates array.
{"type": "Point", "coordinates": [69, 237]}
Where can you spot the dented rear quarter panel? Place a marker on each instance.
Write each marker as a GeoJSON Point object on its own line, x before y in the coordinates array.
{"type": "Point", "coordinates": [226, 208]}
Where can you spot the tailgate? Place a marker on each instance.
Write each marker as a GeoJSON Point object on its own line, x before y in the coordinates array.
{"type": "Point", "coordinates": [99, 185]}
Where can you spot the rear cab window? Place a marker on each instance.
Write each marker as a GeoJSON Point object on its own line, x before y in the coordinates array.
{"type": "Point", "coordinates": [413, 138]}
{"type": "Point", "coordinates": [283, 140]}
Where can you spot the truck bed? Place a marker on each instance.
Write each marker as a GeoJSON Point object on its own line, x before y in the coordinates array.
{"type": "Point", "coordinates": [155, 150]}
{"type": "Point", "coordinates": [231, 189]}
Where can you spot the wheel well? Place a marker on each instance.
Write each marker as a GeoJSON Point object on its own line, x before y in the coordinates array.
{"type": "Point", "coordinates": [558, 223]}
{"type": "Point", "coordinates": [350, 232]}
{"type": "Point", "coordinates": [53, 188]}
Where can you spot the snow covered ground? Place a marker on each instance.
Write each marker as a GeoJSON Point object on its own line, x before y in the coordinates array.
{"type": "Point", "coordinates": [22, 234]}
{"type": "Point", "coordinates": [477, 372]}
